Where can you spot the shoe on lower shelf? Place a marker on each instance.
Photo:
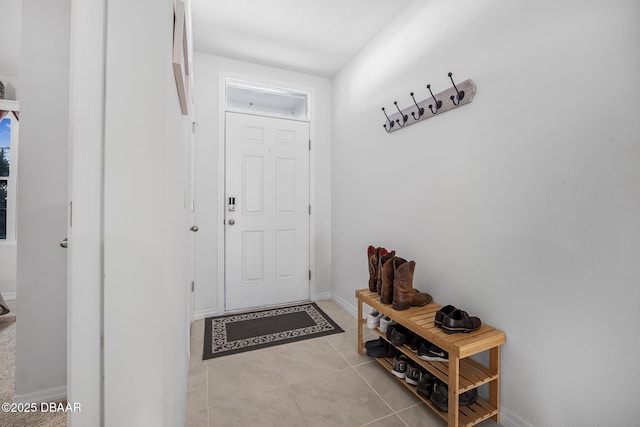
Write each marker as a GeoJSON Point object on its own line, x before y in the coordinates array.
{"type": "Point", "coordinates": [373, 319]}
{"type": "Point", "coordinates": [440, 396]}
{"type": "Point", "coordinates": [400, 363]}
{"type": "Point", "coordinates": [414, 345]}
{"type": "Point", "coordinates": [432, 353]}
{"type": "Point", "coordinates": [425, 384]}
{"type": "Point", "coordinates": [397, 335]}
{"type": "Point", "coordinates": [385, 322]}
{"type": "Point", "coordinates": [375, 343]}
{"type": "Point", "coordinates": [386, 350]}
{"type": "Point", "coordinates": [413, 373]}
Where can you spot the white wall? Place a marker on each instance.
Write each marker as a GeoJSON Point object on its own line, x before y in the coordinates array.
{"type": "Point", "coordinates": [11, 86]}
{"type": "Point", "coordinates": [522, 207]}
{"type": "Point", "coordinates": [146, 227]}
{"type": "Point", "coordinates": [10, 27]}
{"type": "Point", "coordinates": [42, 202]}
{"type": "Point", "coordinates": [207, 72]}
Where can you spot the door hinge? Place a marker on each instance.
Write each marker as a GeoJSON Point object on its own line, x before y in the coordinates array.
{"type": "Point", "coordinates": [193, 127]}
{"type": "Point", "coordinates": [193, 286]}
{"type": "Point", "coordinates": [309, 145]}
{"type": "Point", "coordinates": [193, 206]}
{"type": "Point", "coordinates": [309, 209]}
{"type": "Point", "coordinates": [309, 274]}
{"type": "Point", "coordinates": [71, 213]}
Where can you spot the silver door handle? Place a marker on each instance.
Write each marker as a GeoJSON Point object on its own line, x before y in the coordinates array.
{"type": "Point", "coordinates": [194, 228]}
{"type": "Point", "coordinates": [63, 243]}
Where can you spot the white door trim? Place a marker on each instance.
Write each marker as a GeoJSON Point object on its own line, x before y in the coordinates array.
{"type": "Point", "coordinates": [222, 77]}
{"type": "Point", "coordinates": [85, 284]}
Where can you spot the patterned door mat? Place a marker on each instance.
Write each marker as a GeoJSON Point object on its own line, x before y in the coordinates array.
{"type": "Point", "coordinates": [237, 333]}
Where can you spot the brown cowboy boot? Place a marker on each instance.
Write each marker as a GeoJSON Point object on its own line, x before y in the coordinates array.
{"type": "Point", "coordinates": [386, 291]}
{"type": "Point", "coordinates": [372, 254]}
{"type": "Point", "coordinates": [404, 296]}
{"type": "Point", "coordinates": [381, 260]}
{"type": "Point", "coordinates": [374, 273]}
{"type": "Point", "coordinates": [372, 260]}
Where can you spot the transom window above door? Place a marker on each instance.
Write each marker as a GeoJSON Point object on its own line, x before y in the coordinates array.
{"type": "Point", "coordinates": [264, 100]}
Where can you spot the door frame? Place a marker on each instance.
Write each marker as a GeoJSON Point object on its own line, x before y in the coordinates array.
{"type": "Point", "coordinates": [85, 262]}
{"type": "Point", "coordinates": [220, 205]}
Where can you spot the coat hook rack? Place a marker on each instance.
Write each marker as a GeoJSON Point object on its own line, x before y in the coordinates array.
{"type": "Point", "coordinates": [459, 94]}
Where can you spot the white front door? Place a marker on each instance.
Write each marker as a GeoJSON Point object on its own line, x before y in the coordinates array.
{"type": "Point", "coordinates": [266, 211]}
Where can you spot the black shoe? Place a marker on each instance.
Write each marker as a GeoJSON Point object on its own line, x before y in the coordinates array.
{"type": "Point", "coordinates": [468, 397]}
{"type": "Point", "coordinates": [375, 343]}
{"type": "Point", "coordinates": [386, 350]}
{"type": "Point", "coordinates": [440, 396]}
{"type": "Point", "coordinates": [432, 353]}
{"type": "Point", "coordinates": [400, 366]}
{"type": "Point", "coordinates": [425, 384]}
{"type": "Point", "coordinates": [446, 310]}
{"type": "Point", "coordinates": [460, 321]}
{"type": "Point", "coordinates": [415, 343]}
{"type": "Point", "coordinates": [413, 374]}
{"type": "Point", "coordinates": [397, 335]}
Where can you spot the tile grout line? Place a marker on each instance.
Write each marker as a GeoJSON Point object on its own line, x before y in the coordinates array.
{"type": "Point", "coordinates": [206, 373]}
{"type": "Point", "coordinates": [393, 412]}
{"type": "Point", "coordinates": [374, 390]}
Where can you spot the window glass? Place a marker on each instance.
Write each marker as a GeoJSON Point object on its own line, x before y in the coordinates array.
{"type": "Point", "coordinates": [5, 146]}
{"type": "Point", "coordinates": [3, 209]}
{"type": "Point", "coordinates": [266, 100]}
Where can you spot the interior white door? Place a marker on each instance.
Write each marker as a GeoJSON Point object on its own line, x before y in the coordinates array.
{"type": "Point", "coordinates": [266, 211]}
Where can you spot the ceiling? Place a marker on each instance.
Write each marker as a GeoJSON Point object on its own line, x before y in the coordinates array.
{"type": "Point", "coordinates": [312, 36]}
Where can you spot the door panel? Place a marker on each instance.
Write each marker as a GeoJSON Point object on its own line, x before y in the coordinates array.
{"type": "Point", "coordinates": [253, 185]}
{"type": "Point", "coordinates": [267, 211]}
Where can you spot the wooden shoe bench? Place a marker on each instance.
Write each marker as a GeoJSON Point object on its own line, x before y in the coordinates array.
{"type": "Point", "coordinates": [460, 373]}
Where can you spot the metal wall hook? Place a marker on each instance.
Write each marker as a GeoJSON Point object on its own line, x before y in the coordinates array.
{"type": "Point", "coordinates": [438, 102]}
{"type": "Point", "coordinates": [459, 93]}
{"type": "Point", "coordinates": [405, 117]}
{"type": "Point", "coordinates": [389, 120]}
{"type": "Point", "coordinates": [420, 109]}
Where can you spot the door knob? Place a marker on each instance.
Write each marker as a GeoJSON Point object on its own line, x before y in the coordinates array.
{"type": "Point", "coordinates": [194, 228]}
{"type": "Point", "coordinates": [63, 243]}
{"type": "Point", "coordinates": [232, 221]}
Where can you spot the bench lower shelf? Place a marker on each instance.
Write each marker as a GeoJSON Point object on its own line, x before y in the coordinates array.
{"type": "Point", "coordinates": [472, 373]}
{"type": "Point", "coordinates": [468, 415]}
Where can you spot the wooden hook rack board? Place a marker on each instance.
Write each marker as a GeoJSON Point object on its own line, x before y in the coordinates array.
{"type": "Point", "coordinates": [467, 86]}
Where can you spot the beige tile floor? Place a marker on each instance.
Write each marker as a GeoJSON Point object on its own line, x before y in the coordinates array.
{"type": "Point", "coordinates": [320, 382]}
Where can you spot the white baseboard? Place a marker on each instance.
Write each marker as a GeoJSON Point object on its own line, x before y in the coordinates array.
{"type": "Point", "coordinates": [50, 395]}
{"type": "Point", "coordinates": [203, 314]}
{"type": "Point", "coordinates": [9, 296]}
{"type": "Point", "coordinates": [344, 304]}
{"type": "Point", "coordinates": [511, 419]}
{"type": "Point", "coordinates": [321, 296]}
